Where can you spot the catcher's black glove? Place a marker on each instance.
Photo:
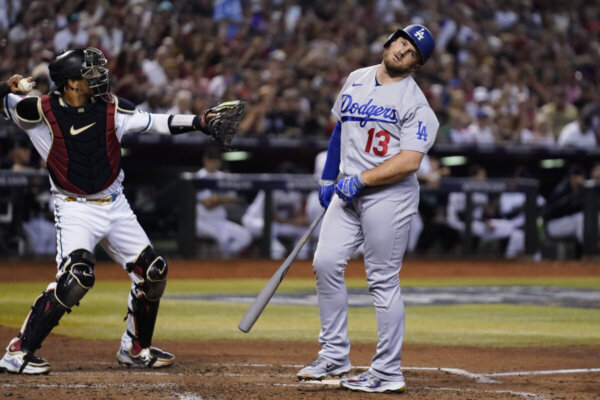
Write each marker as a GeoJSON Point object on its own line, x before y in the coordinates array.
{"type": "Point", "coordinates": [225, 123]}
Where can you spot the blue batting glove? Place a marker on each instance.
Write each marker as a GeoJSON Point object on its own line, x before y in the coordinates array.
{"type": "Point", "coordinates": [326, 189]}
{"type": "Point", "coordinates": [347, 188]}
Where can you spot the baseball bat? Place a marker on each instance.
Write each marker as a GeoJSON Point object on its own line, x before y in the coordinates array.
{"type": "Point", "coordinates": [268, 291]}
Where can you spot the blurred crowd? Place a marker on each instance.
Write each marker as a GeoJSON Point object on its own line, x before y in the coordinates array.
{"type": "Point", "coordinates": [504, 72]}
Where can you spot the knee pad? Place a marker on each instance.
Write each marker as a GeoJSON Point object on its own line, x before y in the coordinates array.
{"type": "Point", "coordinates": [151, 269]}
{"type": "Point", "coordinates": [77, 277]}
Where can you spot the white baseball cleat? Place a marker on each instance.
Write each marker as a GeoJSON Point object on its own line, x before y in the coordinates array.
{"type": "Point", "coordinates": [322, 368]}
{"type": "Point", "coordinates": [16, 361]}
{"type": "Point", "coordinates": [367, 382]}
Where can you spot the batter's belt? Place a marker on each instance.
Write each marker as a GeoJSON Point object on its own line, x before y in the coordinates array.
{"type": "Point", "coordinates": [99, 200]}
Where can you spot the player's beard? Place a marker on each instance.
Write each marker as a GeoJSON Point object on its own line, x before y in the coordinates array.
{"type": "Point", "coordinates": [395, 71]}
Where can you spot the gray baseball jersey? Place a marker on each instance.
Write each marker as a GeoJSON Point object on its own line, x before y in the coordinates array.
{"type": "Point", "coordinates": [378, 122]}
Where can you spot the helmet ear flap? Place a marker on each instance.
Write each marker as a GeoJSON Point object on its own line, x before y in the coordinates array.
{"type": "Point", "coordinates": [391, 38]}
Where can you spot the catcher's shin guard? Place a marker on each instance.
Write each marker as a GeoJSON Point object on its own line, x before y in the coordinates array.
{"type": "Point", "coordinates": [149, 275]}
{"type": "Point", "coordinates": [76, 277]}
{"type": "Point", "coordinates": [43, 317]}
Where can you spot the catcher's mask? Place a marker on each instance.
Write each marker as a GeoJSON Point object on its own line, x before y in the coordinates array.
{"type": "Point", "coordinates": [88, 64]}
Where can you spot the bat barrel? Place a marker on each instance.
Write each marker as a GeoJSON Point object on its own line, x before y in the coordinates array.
{"type": "Point", "coordinates": [268, 291]}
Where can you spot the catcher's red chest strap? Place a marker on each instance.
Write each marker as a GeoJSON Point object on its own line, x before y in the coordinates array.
{"type": "Point", "coordinates": [85, 155]}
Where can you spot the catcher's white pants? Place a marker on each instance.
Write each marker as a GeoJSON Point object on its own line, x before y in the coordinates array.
{"type": "Point", "coordinates": [83, 225]}
{"type": "Point", "coordinates": [385, 237]}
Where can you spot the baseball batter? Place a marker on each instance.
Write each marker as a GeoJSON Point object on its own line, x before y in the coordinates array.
{"type": "Point", "coordinates": [385, 126]}
{"type": "Point", "coordinates": [77, 130]}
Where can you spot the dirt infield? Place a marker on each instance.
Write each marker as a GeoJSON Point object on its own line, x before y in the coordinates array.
{"type": "Point", "coordinates": [265, 370]}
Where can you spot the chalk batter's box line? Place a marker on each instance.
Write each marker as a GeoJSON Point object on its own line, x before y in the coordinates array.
{"type": "Point", "coordinates": [480, 377]}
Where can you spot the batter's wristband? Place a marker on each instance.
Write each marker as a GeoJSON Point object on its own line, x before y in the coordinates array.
{"type": "Point", "coordinates": [326, 182]}
{"type": "Point", "coordinates": [4, 90]}
{"type": "Point", "coordinates": [361, 183]}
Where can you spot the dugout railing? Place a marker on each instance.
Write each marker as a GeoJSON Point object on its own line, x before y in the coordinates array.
{"type": "Point", "coordinates": [15, 186]}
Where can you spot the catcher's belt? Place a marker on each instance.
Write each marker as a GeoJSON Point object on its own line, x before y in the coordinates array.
{"type": "Point", "coordinates": [98, 200]}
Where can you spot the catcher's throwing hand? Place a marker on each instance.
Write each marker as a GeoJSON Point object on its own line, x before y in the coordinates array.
{"type": "Point", "coordinates": [222, 121]}
{"type": "Point", "coordinates": [347, 188]}
{"type": "Point", "coordinates": [12, 84]}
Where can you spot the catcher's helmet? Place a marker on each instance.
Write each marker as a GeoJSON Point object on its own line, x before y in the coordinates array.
{"type": "Point", "coordinates": [419, 36]}
{"type": "Point", "coordinates": [88, 64]}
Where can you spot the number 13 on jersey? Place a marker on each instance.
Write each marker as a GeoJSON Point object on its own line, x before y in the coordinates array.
{"type": "Point", "coordinates": [377, 142]}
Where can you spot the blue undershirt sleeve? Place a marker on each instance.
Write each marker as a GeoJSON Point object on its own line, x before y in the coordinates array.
{"type": "Point", "coordinates": [332, 163]}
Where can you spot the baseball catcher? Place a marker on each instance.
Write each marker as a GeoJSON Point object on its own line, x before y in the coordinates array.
{"type": "Point", "coordinates": [77, 129]}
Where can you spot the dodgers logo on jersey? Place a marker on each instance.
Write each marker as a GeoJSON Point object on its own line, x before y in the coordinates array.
{"type": "Point", "coordinates": [366, 112]}
{"type": "Point", "coordinates": [422, 132]}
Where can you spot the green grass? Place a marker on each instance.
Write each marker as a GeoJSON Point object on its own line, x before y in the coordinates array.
{"type": "Point", "coordinates": [100, 317]}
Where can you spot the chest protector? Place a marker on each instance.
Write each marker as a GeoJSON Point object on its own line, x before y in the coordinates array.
{"type": "Point", "coordinates": [85, 156]}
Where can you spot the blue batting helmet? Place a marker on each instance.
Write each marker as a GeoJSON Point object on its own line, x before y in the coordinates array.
{"type": "Point", "coordinates": [419, 36]}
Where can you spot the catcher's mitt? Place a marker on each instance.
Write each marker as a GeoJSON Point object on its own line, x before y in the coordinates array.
{"type": "Point", "coordinates": [224, 125]}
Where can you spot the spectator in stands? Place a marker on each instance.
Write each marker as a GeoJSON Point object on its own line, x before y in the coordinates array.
{"type": "Point", "coordinates": [559, 112]}
{"type": "Point", "coordinates": [154, 67]}
{"type": "Point", "coordinates": [506, 130]}
{"type": "Point", "coordinates": [154, 102]}
{"type": "Point", "coordinates": [480, 102]}
{"type": "Point", "coordinates": [72, 36]}
{"type": "Point", "coordinates": [481, 129]}
{"type": "Point", "coordinates": [459, 132]}
{"type": "Point", "coordinates": [255, 121]}
{"type": "Point", "coordinates": [580, 133]}
{"type": "Point", "coordinates": [211, 212]}
{"type": "Point", "coordinates": [230, 13]}
{"type": "Point", "coordinates": [182, 103]}
{"type": "Point", "coordinates": [540, 136]}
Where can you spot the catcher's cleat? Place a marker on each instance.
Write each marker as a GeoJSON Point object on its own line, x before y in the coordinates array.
{"type": "Point", "coordinates": [150, 357]}
{"type": "Point", "coordinates": [20, 362]}
{"type": "Point", "coordinates": [367, 382]}
{"type": "Point", "coordinates": [322, 368]}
